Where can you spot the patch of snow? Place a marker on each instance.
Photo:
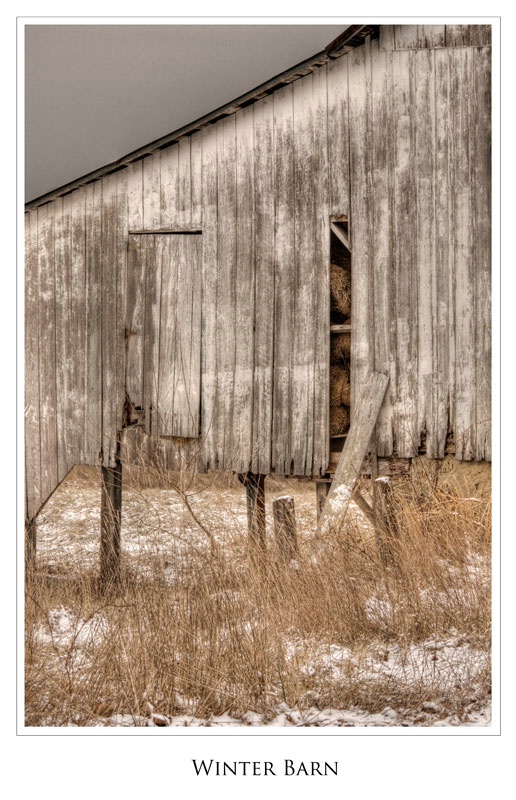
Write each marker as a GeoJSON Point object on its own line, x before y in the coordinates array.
{"type": "Point", "coordinates": [378, 611]}
{"type": "Point", "coordinates": [251, 718]}
{"type": "Point", "coordinates": [64, 629]}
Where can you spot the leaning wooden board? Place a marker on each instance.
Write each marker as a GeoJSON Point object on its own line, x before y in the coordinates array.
{"type": "Point", "coordinates": [354, 451]}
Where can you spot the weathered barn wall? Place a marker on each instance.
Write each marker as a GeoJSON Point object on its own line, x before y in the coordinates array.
{"type": "Point", "coordinates": [419, 125]}
{"type": "Point", "coordinates": [258, 186]}
{"type": "Point", "coordinates": [75, 332]}
{"type": "Point", "coordinates": [395, 134]}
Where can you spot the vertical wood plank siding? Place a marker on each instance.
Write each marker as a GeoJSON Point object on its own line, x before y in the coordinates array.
{"type": "Point", "coordinates": [226, 333]}
{"type": "Point", "coordinates": [307, 278]}
{"type": "Point", "coordinates": [64, 337]}
{"type": "Point", "coordinates": [464, 298]}
{"type": "Point", "coordinates": [442, 315]}
{"type": "Point", "coordinates": [209, 365]}
{"type": "Point", "coordinates": [33, 485]}
{"type": "Point", "coordinates": [284, 279]}
{"type": "Point", "coordinates": [185, 184]}
{"type": "Point", "coordinates": [152, 191]}
{"type": "Point", "coordinates": [93, 404]}
{"type": "Point", "coordinates": [264, 186]}
{"type": "Point", "coordinates": [424, 111]}
{"type": "Point", "coordinates": [321, 276]}
{"type": "Point", "coordinates": [480, 127]}
{"type": "Point", "coordinates": [382, 232]}
{"type": "Point", "coordinates": [362, 315]}
{"type": "Point", "coordinates": [166, 366]}
{"type": "Point", "coordinates": [196, 178]}
{"type": "Point", "coordinates": [396, 135]}
{"type": "Point", "coordinates": [245, 288]}
{"type": "Point", "coordinates": [78, 315]}
{"type": "Point", "coordinates": [135, 319]}
{"type": "Point", "coordinates": [433, 107]}
{"type": "Point", "coordinates": [108, 320]}
{"type": "Point", "coordinates": [135, 194]}
{"type": "Point", "coordinates": [431, 35]}
{"type": "Point", "coordinates": [414, 37]}
{"type": "Point", "coordinates": [338, 135]}
{"type": "Point", "coordinates": [405, 231]}
{"type": "Point", "coordinates": [178, 302]}
{"type": "Point", "coordinates": [121, 294]}
{"type": "Point", "coordinates": [153, 261]}
{"type": "Point", "coordinates": [47, 354]}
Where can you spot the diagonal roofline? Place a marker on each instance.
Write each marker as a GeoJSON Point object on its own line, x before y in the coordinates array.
{"type": "Point", "coordinates": [352, 36]}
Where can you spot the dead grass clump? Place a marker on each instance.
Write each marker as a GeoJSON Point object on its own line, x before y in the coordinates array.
{"type": "Point", "coordinates": [199, 633]}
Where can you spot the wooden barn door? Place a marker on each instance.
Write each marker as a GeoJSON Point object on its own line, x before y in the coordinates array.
{"type": "Point", "coordinates": [163, 333]}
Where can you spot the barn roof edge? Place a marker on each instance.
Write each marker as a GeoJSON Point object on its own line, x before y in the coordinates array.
{"type": "Point", "coordinates": [352, 36]}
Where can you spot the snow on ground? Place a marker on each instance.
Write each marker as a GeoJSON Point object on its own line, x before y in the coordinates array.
{"type": "Point", "coordinates": [68, 530]}
{"type": "Point", "coordinates": [155, 522]}
{"type": "Point", "coordinates": [430, 665]}
{"type": "Point", "coordinates": [312, 718]}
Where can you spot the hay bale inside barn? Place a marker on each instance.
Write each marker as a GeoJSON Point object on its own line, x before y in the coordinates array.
{"type": "Point", "coordinates": [340, 334]}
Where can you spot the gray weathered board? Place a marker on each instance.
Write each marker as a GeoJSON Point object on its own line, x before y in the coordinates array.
{"type": "Point", "coordinates": [354, 452]}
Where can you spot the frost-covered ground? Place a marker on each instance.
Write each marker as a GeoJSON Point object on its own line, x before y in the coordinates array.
{"type": "Point", "coordinates": [433, 664]}
{"type": "Point", "coordinates": [156, 522]}
{"type": "Point", "coordinates": [68, 533]}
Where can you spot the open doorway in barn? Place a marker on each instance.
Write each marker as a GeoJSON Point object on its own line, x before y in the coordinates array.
{"type": "Point", "coordinates": [340, 350]}
{"type": "Point", "coordinates": [340, 332]}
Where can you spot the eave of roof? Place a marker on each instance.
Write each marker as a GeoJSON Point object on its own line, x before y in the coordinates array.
{"type": "Point", "coordinates": [352, 36]}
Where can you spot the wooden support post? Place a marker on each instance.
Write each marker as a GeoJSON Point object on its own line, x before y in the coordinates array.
{"type": "Point", "coordinates": [255, 490]}
{"type": "Point", "coordinates": [376, 491]}
{"type": "Point", "coordinates": [374, 466]}
{"type": "Point", "coordinates": [322, 489]}
{"type": "Point", "coordinates": [354, 451]}
{"type": "Point", "coordinates": [110, 520]}
{"type": "Point", "coordinates": [376, 498]}
{"type": "Point", "coordinates": [285, 531]}
{"type": "Point", "coordinates": [364, 506]}
{"type": "Point", "coordinates": [386, 524]}
{"type": "Point", "coordinates": [30, 547]}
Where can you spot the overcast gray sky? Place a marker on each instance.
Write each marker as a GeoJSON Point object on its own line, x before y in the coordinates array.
{"type": "Point", "coordinates": [96, 92]}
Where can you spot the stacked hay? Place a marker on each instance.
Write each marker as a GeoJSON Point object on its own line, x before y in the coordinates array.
{"type": "Point", "coordinates": [340, 283]}
{"type": "Point", "coordinates": [340, 348]}
{"type": "Point", "coordinates": [339, 386]}
{"type": "Point", "coordinates": [340, 392]}
{"type": "Point", "coordinates": [339, 420]}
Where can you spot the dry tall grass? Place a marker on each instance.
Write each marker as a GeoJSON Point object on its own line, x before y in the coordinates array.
{"type": "Point", "coordinates": [216, 631]}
